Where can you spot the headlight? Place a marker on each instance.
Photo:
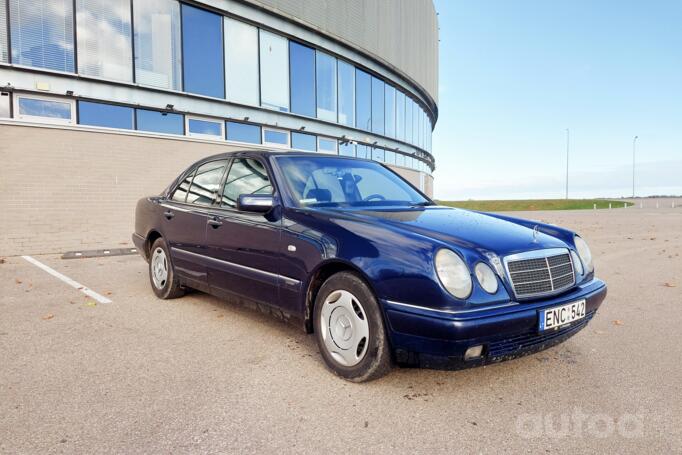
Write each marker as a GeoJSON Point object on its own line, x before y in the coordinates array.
{"type": "Point", "coordinates": [584, 253]}
{"type": "Point", "coordinates": [453, 273]}
{"type": "Point", "coordinates": [486, 278]}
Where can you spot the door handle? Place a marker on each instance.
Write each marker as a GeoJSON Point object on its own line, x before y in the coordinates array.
{"type": "Point", "coordinates": [168, 214]}
{"type": "Point", "coordinates": [215, 223]}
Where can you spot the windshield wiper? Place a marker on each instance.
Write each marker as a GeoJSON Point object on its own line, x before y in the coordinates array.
{"type": "Point", "coordinates": [422, 204]}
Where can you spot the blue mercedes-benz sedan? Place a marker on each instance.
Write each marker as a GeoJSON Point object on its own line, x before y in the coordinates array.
{"type": "Point", "coordinates": [350, 251]}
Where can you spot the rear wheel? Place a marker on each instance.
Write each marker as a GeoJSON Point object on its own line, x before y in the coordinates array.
{"type": "Point", "coordinates": [161, 273]}
{"type": "Point", "coordinates": [349, 329]}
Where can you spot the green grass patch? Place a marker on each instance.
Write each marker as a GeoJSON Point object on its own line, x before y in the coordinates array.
{"type": "Point", "coordinates": [536, 204]}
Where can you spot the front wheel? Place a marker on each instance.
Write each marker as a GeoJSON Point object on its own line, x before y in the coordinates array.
{"type": "Point", "coordinates": [349, 329]}
{"type": "Point", "coordinates": [161, 273]}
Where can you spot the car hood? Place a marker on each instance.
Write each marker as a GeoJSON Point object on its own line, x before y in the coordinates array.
{"type": "Point", "coordinates": [463, 228]}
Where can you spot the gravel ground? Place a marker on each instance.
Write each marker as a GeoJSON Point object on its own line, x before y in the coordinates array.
{"type": "Point", "coordinates": [141, 375]}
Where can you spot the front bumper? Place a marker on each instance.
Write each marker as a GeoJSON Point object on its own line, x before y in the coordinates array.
{"type": "Point", "coordinates": [436, 339]}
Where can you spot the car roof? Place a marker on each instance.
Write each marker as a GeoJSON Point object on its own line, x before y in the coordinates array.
{"type": "Point", "coordinates": [272, 153]}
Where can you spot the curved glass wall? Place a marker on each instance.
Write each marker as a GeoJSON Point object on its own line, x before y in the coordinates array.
{"type": "Point", "coordinates": [179, 46]}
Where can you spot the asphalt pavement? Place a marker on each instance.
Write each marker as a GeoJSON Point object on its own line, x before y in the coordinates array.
{"type": "Point", "coordinates": [199, 375]}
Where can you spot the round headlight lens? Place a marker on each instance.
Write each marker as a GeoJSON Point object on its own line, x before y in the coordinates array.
{"type": "Point", "coordinates": [577, 262]}
{"type": "Point", "coordinates": [486, 278]}
{"type": "Point", "coordinates": [584, 253]}
{"type": "Point", "coordinates": [453, 273]}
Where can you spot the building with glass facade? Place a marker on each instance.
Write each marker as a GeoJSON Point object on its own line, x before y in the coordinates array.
{"type": "Point", "coordinates": [353, 77]}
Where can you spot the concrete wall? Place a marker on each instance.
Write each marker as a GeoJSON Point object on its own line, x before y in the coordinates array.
{"type": "Point", "coordinates": [64, 189]}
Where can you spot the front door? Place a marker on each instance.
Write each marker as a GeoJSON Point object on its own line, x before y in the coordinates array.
{"type": "Point", "coordinates": [244, 246]}
{"type": "Point", "coordinates": [185, 216]}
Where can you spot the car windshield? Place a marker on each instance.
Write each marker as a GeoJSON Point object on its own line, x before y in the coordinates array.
{"type": "Point", "coordinates": [341, 182]}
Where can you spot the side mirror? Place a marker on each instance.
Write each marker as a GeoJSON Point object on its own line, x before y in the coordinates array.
{"type": "Point", "coordinates": [260, 203]}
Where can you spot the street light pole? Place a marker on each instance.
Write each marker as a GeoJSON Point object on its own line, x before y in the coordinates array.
{"type": "Point", "coordinates": [568, 142]}
{"type": "Point", "coordinates": [634, 144]}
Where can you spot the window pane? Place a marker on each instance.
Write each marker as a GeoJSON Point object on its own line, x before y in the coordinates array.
{"type": "Point", "coordinates": [399, 159]}
{"type": "Point", "coordinates": [43, 108]}
{"type": "Point", "coordinates": [159, 122]}
{"type": "Point", "coordinates": [180, 193]}
{"type": "Point", "coordinates": [347, 149]}
{"type": "Point", "coordinates": [107, 115]}
{"type": "Point", "coordinates": [274, 71]}
{"type": "Point", "coordinates": [4, 105]}
{"type": "Point", "coordinates": [415, 124]}
{"type": "Point", "coordinates": [3, 32]}
{"type": "Point", "coordinates": [378, 155]}
{"type": "Point", "coordinates": [326, 145]}
{"type": "Point", "coordinates": [400, 116]}
{"type": "Point", "coordinates": [206, 182]}
{"type": "Point", "coordinates": [304, 141]}
{"type": "Point", "coordinates": [377, 106]}
{"type": "Point", "coordinates": [346, 93]}
{"type": "Point", "coordinates": [363, 151]}
{"type": "Point", "coordinates": [326, 87]}
{"type": "Point", "coordinates": [158, 51]}
{"type": "Point", "coordinates": [104, 41]}
{"type": "Point", "coordinates": [389, 157]}
{"type": "Point", "coordinates": [246, 176]}
{"type": "Point", "coordinates": [409, 104]}
{"type": "Point", "coordinates": [363, 100]}
{"type": "Point", "coordinates": [243, 132]}
{"type": "Point", "coordinates": [302, 79]}
{"type": "Point", "coordinates": [390, 111]}
{"type": "Point", "coordinates": [241, 62]}
{"type": "Point", "coordinates": [42, 33]}
{"type": "Point", "coordinates": [202, 50]}
{"type": "Point", "coordinates": [204, 127]}
{"type": "Point", "coordinates": [275, 137]}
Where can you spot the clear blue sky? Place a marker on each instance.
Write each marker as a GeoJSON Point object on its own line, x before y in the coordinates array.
{"type": "Point", "coordinates": [514, 74]}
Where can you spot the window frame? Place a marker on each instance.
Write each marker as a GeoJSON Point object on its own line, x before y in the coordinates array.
{"type": "Point", "coordinates": [38, 119]}
{"type": "Point", "coordinates": [211, 137]}
{"type": "Point", "coordinates": [192, 171]}
{"type": "Point", "coordinates": [217, 205]}
{"type": "Point", "coordinates": [263, 129]}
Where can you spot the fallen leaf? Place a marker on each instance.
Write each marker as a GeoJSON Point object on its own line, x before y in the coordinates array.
{"type": "Point", "coordinates": [91, 304]}
{"type": "Point", "coordinates": [109, 292]}
{"type": "Point", "coordinates": [2, 260]}
{"type": "Point", "coordinates": [220, 316]}
{"type": "Point", "coordinates": [48, 316]}
{"type": "Point", "coordinates": [17, 280]}
{"type": "Point", "coordinates": [617, 322]}
{"type": "Point", "coordinates": [71, 302]}
{"type": "Point", "coordinates": [669, 285]}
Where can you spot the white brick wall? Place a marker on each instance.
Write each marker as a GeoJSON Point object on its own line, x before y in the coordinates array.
{"type": "Point", "coordinates": [70, 189]}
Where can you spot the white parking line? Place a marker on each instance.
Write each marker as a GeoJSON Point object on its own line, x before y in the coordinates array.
{"type": "Point", "coordinates": [67, 280]}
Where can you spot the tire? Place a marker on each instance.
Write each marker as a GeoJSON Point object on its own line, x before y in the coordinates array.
{"type": "Point", "coordinates": [161, 274]}
{"type": "Point", "coordinates": [345, 313]}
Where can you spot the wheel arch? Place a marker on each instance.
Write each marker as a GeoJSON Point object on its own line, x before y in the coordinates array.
{"type": "Point", "coordinates": [152, 236]}
{"type": "Point", "coordinates": [319, 276]}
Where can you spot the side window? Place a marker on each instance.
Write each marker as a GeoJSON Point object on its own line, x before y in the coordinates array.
{"type": "Point", "coordinates": [180, 193]}
{"type": "Point", "coordinates": [246, 176]}
{"type": "Point", "coordinates": [206, 182]}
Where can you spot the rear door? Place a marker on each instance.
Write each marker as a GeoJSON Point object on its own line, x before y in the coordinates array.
{"type": "Point", "coordinates": [244, 246]}
{"type": "Point", "coordinates": [185, 217]}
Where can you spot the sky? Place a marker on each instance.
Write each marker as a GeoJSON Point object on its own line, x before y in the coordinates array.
{"type": "Point", "coordinates": [515, 74]}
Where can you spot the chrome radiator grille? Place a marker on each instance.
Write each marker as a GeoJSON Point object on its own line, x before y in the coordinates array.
{"type": "Point", "coordinates": [540, 273]}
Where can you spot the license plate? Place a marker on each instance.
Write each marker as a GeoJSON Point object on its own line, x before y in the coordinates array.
{"type": "Point", "coordinates": [558, 316]}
